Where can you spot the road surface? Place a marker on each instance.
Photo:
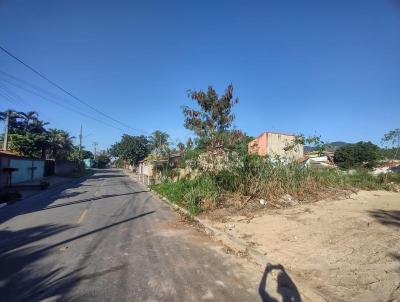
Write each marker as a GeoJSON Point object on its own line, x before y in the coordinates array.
{"type": "Point", "coordinates": [104, 238]}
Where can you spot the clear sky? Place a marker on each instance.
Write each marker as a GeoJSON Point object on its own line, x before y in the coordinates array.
{"type": "Point", "coordinates": [315, 67]}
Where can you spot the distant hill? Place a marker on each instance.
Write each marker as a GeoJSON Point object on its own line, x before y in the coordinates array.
{"type": "Point", "coordinates": [332, 147]}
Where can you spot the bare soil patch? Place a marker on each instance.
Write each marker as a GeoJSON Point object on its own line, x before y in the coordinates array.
{"type": "Point", "coordinates": [347, 249]}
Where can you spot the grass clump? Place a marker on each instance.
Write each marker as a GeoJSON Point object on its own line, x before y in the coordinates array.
{"type": "Point", "coordinates": [195, 195]}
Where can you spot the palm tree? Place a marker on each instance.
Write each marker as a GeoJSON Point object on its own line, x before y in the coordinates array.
{"type": "Point", "coordinates": [28, 117]}
{"type": "Point", "coordinates": [14, 124]}
{"type": "Point", "coordinates": [159, 139]}
{"type": "Point", "coordinates": [159, 143]}
{"type": "Point", "coordinates": [60, 143]}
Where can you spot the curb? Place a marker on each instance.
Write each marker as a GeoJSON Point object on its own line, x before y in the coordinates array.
{"type": "Point", "coordinates": [232, 242]}
{"type": "Point", "coordinates": [235, 244]}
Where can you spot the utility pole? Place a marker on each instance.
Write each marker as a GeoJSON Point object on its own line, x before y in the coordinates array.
{"type": "Point", "coordinates": [95, 144]}
{"type": "Point", "coordinates": [5, 142]}
{"type": "Point", "coordinates": [80, 144]}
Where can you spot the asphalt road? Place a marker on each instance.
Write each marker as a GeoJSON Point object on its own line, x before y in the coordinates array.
{"type": "Point", "coordinates": [105, 238]}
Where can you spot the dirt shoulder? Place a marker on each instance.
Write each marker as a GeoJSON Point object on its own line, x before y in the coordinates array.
{"type": "Point", "coordinates": [348, 250]}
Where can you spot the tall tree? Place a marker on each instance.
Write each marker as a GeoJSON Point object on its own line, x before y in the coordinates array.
{"type": "Point", "coordinates": [159, 141]}
{"type": "Point", "coordinates": [361, 154]}
{"type": "Point", "coordinates": [131, 148]}
{"type": "Point", "coordinates": [392, 138]}
{"type": "Point", "coordinates": [28, 136]}
{"type": "Point", "coordinates": [213, 116]}
{"type": "Point", "coordinates": [60, 143]}
{"type": "Point", "coordinates": [28, 117]}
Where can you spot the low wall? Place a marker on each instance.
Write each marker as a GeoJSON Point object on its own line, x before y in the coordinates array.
{"type": "Point", "coordinates": [64, 167]}
{"type": "Point", "coordinates": [28, 170]}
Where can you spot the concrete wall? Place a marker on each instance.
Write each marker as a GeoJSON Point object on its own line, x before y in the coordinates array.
{"type": "Point", "coordinates": [28, 170]}
{"type": "Point", "coordinates": [276, 144]}
{"type": "Point", "coordinates": [258, 145]}
{"type": "Point", "coordinates": [64, 167]}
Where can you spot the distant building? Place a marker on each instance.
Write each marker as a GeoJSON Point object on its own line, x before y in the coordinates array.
{"type": "Point", "coordinates": [150, 167]}
{"type": "Point", "coordinates": [275, 144]}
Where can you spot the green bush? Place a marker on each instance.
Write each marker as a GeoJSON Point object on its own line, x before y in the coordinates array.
{"type": "Point", "coordinates": [191, 194]}
{"type": "Point", "coordinates": [361, 154]}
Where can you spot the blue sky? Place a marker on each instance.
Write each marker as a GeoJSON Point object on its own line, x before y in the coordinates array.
{"type": "Point", "coordinates": [330, 68]}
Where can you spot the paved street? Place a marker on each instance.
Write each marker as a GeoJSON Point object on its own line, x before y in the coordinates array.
{"type": "Point", "coordinates": [105, 238]}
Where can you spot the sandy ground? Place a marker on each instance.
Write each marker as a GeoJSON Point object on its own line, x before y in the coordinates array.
{"type": "Point", "coordinates": [347, 250]}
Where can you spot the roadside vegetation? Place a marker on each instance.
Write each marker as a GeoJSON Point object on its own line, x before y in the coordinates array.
{"type": "Point", "coordinates": [219, 172]}
{"type": "Point", "coordinates": [30, 136]}
{"type": "Point", "coordinates": [216, 170]}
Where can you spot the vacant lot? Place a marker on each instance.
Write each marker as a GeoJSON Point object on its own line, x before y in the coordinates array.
{"type": "Point", "coordinates": [348, 250]}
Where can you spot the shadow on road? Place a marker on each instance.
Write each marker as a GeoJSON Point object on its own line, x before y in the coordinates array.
{"type": "Point", "coordinates": [389, 218]}
{"type": "Point", "coordinates": [104, 176]}
{"type": "Point", "coordinates": [42, 201]}
{"type": "Point", "coordinates": [21, 277]}
{"type": "Point", "coordinates": [285, 286]}
{"type": "Point", "coordinates": [26, 276]}
{"type": "Point", "coordinates": [88, 199]}
{"type": "Point", "coordinates": [38, 202]}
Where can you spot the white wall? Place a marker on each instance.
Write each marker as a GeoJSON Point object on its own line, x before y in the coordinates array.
{"type": "Point", "coordinates": [24, 172]}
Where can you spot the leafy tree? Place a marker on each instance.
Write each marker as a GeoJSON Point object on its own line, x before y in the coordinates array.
{"type": "Point", "coordinates": [314, 141]}
{"type": "Point", "coordinates": [28, 144]}
{"type": "Point", "coordinates": [361, 154]}
{"type": "Point", "coordinates": [131, 148]}
{"type": "Point", "coordinates": [28, 136]}
{"type": "Point", "coordinates": [102, 160]}
{"type": "Point", "coordinates": [392, 138]}
{"type": "Point", "coordinates": [75, 155]}
{"type": "Point", "coordinates": [213, 117]}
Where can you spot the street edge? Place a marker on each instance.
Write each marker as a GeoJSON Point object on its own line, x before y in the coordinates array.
{"type": "Point", "coordinates": [233, 243]}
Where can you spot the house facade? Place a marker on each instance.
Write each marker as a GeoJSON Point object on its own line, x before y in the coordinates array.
{"type": "Point", "coordinates": [275, 144]}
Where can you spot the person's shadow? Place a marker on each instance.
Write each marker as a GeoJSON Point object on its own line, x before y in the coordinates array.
{"type": "Point", "coordinates": [285, 286]}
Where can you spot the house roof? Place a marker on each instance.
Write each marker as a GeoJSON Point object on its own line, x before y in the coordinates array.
{"type": "Point", "coordinates": [4, 153]}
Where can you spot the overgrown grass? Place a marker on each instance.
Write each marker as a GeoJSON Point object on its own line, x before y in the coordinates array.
{"type": "Point", "coordinates": [258, 177]}
{"type": "Point", "coordinates": [194, 195]}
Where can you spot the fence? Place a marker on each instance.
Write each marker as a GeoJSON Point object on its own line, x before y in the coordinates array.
{"type": "Point", "coordinates": [143, 178]}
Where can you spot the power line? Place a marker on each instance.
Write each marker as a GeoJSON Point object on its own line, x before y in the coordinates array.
{"type": "Point", "coordinates": [6, 98]}
{"type": "Point", "coordinates": [66, 91]}
{"type": "Point", "coordinates": [7, 95]}
{"type": "Point", "coordinates": [61, 104]}
{"type": "Point", "coordinates": [33, 86]}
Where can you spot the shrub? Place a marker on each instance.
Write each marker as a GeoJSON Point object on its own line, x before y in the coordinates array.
{"type": "Point", "coordinates": [195, 195]}
{"type": "Point", "coordinates": [362, 154]}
